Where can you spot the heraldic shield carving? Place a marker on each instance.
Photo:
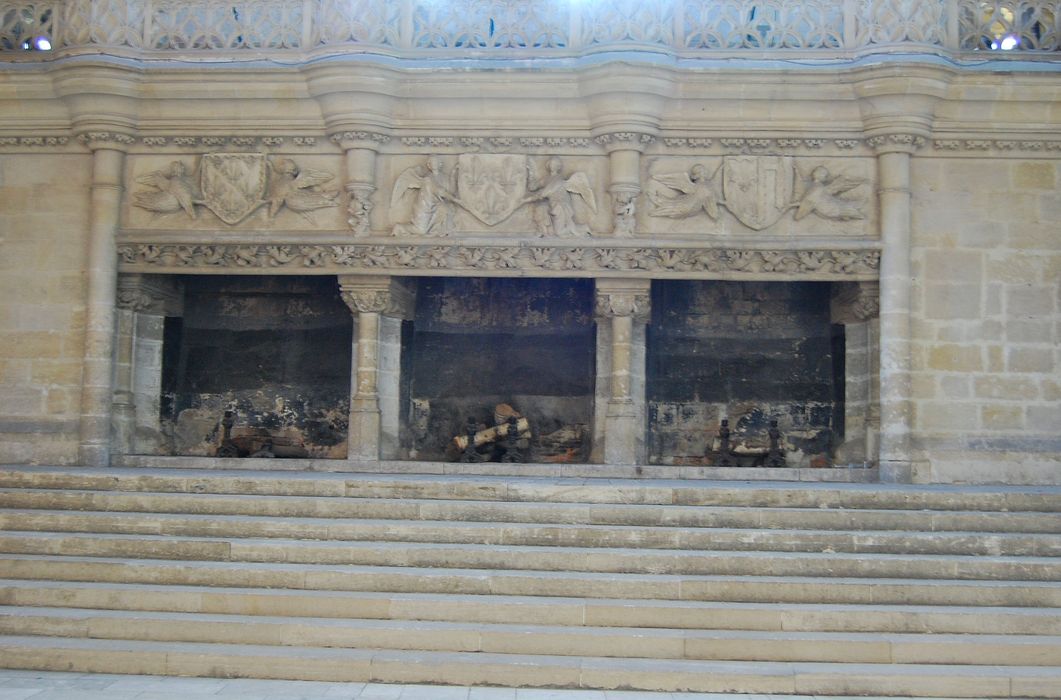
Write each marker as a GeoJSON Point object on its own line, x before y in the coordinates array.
{"type": "Point", "coordinates": [233, 184]}
{"type": "Point", "coordinates": [757, 189]}
{"type": "Point", "coordinates": [491, 186]}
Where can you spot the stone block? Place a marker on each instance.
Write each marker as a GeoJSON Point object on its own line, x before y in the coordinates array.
{"type": "Point", "coordinates": [1035, 175]}
{"type": "Point", "coordinates": [1032, 236]}
{"type": "Point", "coordinates": [1024, 331]}
{"type": "Point", "coordinates": [956, 386]}
{"type": "Point", "coordinates": [949, 416]}
{"type": "Point", "coordinates": [952, 301]}
{"type": "Point", "coordinates": [956, 358]}
{"type": "Point", "coordinates": [1030, 359]}
{"type": "Point", "coordinates": [1002, 387]}
{"type": "Point", "coordinates": [1045, 419]}
{"type": "Point", "coordinates": [1029, 301]}
{"type": "Point", "coordinates": [961, 267]}
{"type": "Point", "coordinates": [994, 358]}
{"type": "Point", "coordinates": [1002, 417]}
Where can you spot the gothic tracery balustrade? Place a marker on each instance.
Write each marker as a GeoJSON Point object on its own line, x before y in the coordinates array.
{"type": "Point", "coordinates": [531, 27]}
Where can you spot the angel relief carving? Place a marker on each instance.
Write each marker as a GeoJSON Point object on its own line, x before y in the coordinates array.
{"type": "Point", "coordinates": [692, 193]}
{"type": "Point", "coordinates": [491, 188]}
{"type": "Point", "coordinates": [235, 185]}
{"type": "Point", "coordinates": [758, 191]}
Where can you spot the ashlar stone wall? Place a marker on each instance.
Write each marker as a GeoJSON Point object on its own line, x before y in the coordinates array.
{"type": "Point", "coordinates": [44, 202]}
{"type": "Point", "coordinates": [986, 324]}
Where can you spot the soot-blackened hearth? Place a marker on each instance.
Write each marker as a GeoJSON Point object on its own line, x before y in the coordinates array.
{"type": "Point", "coordinates": [749, 352]}
{"type": "Point", "coordinates": [273, 351]}
{"type": "Point", "coordinates": [478, 343]}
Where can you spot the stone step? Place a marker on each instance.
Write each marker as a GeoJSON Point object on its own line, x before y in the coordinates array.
{"type": "Point", "coordinates": [568, 611]}
{"type": "Point", "coordinates": [720, 588]}
{"type": "Point", "coordinates": [554, 490]}
{"type": "Point", "coordinates": [516, 557]}
{"type": "Point", "coordinates": [597, 536]}
{"type": "Point", "coordinates": [518, 470]}
{"type": "Point", "coordinates": [462, 668]}
{"type": "Point", "coordinates": [627, 642]}
{"type": "Point", "coordinates": [776, 517]}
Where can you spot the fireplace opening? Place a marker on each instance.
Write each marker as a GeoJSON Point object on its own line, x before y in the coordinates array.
{"type": "Point", "coordinates": [257, 367]}
{"type": "Point", "coordinates": [481, 346]}
{"type": "Point", "coordinates": [748, 353]}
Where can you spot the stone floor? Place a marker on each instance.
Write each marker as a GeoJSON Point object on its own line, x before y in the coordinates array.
{"type": "Point", "coordinates": [43, 685]}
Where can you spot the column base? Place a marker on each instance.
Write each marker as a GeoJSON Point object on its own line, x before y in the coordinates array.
{"type": "Point", "coordinates": [905, 472]}
{"type": "Point", "coordinates": [363, 436]}
{"type": "Point", "coordinates": [623, 437]}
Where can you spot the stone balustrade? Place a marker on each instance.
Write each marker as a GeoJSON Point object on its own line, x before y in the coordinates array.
{"type": "Point", "coordinates": [251, 29]}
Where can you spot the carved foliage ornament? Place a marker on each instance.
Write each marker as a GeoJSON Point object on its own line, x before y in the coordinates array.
{"type": "Point", "coordinates": [501, 259]}
{"type": "Point", "coordinates": [235, 185]}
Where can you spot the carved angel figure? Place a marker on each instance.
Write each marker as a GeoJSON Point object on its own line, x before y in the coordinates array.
{"type": "Point", "coordinates": [696, 193]}
{"type": "Point", "coordinates": [171, 191]}
{"type": "Point", "coordinates": [298, 189]}
{"type": "Point", "coordinates": [556, 192]}
{"type": "Point", "coordinates": [431, 213]}
{"type": "Point", "coordinates": [829, 196]}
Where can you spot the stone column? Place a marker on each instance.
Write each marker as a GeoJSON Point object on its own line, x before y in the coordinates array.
{"type": "Point", "coordinates": [893, 172]}
{"type": "Point", "coordinates": [360, 148]}
{"type": "Point", "coordinates": [108, 163]}
{"type": "Point", "coordinates": [856, 306]}
{"type": "Point", "coordinates": [622, 312]}
{"type": "Point", "coordinates": [624, 163]}
{"type": "Point", "coordinates": [379, 305]}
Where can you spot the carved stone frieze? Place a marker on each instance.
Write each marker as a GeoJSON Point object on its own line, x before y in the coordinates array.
{"type": "Point", "coordinates": [516, 259]}
{"type": "Point", "coordinates": [346, 138]}
{"type": "Point", "coordinates": [235, 185]}
{"type": "Point", "coordinates": [359, 208]}
{"type": "Point", "coordinates": [624, 210]}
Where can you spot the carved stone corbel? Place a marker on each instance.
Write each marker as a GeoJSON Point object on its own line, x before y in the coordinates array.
{"type": "Point", "coordinates": [854, 302]}
{"type": "Point", "coordinates": [155, 294]}
{"type": "Point", "coordinates": [610, 304]}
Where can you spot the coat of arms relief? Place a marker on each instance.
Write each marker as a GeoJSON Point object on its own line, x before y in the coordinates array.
{"type": "Point", "coordinates": [490, 189]}
{"type": "Point", "coordinates": [758, 192]}
{"type": "Point", "coordinates": [233, 186]}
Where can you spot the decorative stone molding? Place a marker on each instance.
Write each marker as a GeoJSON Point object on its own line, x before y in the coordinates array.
{"type": "Point", "coordinates": [855, 302]}
{"type": "Point", "coordinates": [625, 140]}
{"type": "Point", "coordinates": [350, 139]}
{"type": "Point", "coordinates": [907, 143]}
{"type": "Point", "coordinates": [495, 144]}
{"type": "Point", "coordinates": [359, 207]}
{"type": "Point", "coordinates": [223, 141]}
{"type": "Point", "coordinates": [505, 260]}
{"type": "Point", "coordinates": [106, 139]}
{"type": "Point", "coordinates": [993, 144]}
{"type": "Point", "coordinates": [34, 140]}
{"type": "Point", "coordinates": [735, 144]}
{"type": "Point", "coordinates": [389, 297]}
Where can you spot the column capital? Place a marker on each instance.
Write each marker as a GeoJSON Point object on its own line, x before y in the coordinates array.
{"type": "Point", "coordinates": [155, 294]}
{"type": "Point", "coordinates": [618, 298]}
{"type": "Point", "coordinates": [389, 296]}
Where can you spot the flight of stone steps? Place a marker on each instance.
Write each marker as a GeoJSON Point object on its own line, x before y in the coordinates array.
{"type": "Point", "coordinates": [816, 588]}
